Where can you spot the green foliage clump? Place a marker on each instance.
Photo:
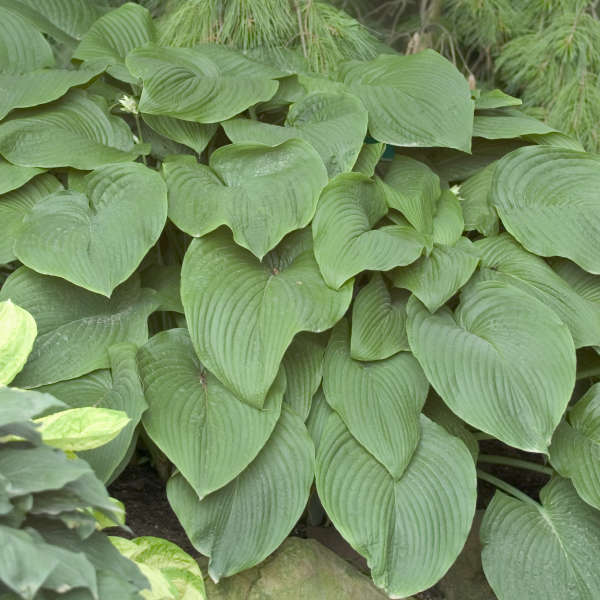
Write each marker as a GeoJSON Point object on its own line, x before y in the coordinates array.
{"type": "Point", "coordinates": [286, 278]}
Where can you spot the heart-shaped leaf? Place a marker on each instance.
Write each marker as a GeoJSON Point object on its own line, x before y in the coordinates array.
{"type": "Point", "coordinates": [194, 135]}
{"type": "Point", "coordinates": [117, 389]}
{"type": "Point", "coordinates": [575, 449]}
{"type": "Point", "coordinates": [434, 279]}
{"type": "Point", "coordinates": [113, 36]}
{"type": "Point", "coordinates": [407, 109]}
{"type": "Point", "coordinates": [495, 99]}
{"type": "Point", "coordinates": [334, 124]}
{"type": "Point", "coordinates": [547, 199]}
{"type": "Point", "coordinates": [378, 321]}
{"type": "Point", "coordinates": [254, 308]}
{"type": "Point", "coordinates": [303, 364]}
{"type": "Point", "coordinates": [75, 327]}
{"type": "Point", "coordinates": [503, 259]}
{"type": "Point", "coordinates": [22, 47]}
{"type": "Point", "coordinates": [379, 402]}
{"type": "Point", "coordinates": [39, 87]}
{"type": "Point", "coordinates": [413, 189]}
{"type": "Point", "coordinates": [532, 551]}
{"type": "Point", "coordinates": [75, 131]}
{"type": "Point", "coordinates": [504, 362]}
{"type": "Point", "coordinates": [64, 20]}
{"type": "Point", "coordinates": [346, 244]}
{"type": "Point", "coordinates": [260, 192]}
{"type": "Point", "coordinates": [506, 124]}
{"type": "Point", "coordinates": [17, 334]}
{"type": "Point", "coordinates": [410, 529]}
{"type": "Point", "coordinates": [98, 238]}
{"type": "Point", "coordinates": [210, 435]}
{"type": "Point", "coordinates": [239, 525]}
{"type": "Point", "coordinates": [210, 83]}
{"type": "Point", "coordinates": [15, 205]}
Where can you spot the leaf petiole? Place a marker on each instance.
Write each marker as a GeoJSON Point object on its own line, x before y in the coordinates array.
{"type": "Point", "coordinates": [515, 462]}
{"type": "Point", "coordinates": [506, 487]}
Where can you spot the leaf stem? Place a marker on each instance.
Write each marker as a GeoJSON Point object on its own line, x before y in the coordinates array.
{"type": "Point", "coordinates": [515, 462]}
{"type": "Point", "coordinates": [138, 126]}
{"type": "Point", "coordinates": [506, 487]}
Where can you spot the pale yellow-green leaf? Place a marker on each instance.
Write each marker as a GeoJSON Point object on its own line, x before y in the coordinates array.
{"type": "Point", "coordinates": [78, 429]}
{"type": "Point", "coordinates": [17, 334]}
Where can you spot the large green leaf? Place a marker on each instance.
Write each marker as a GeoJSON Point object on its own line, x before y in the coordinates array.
{"type": "Point", "coordinates": [434, 279]}
{"type": "Point", "coordinates": [547, 199]}
{"type": "Point", "coordinates": [369, 158]}
{"type": "Point", "coordinates": [586, 285]}
{"type": "Point", "coordinates": [504, 362]}
{"type": "Point", "coordinates": [303, 365]}
{"type": "Point", "coordinates": [414, 100]}
{"type": "Point", "coordinates": [335, 124]}
{"type": "Point", "coordinates": [241, 524]}
{"type": "Point", "coordinates": [549, 551]}
{"type": "Point", "coordinates": [30, 470]}
{"type": "Point", "coordinates": [478, 212]}
{"type": "Point", "coordinates": [22, 47]}
{"type": "Point", "coordinates": [254, 309]}
{"type": "Point", "coordinates": [506, 124]}
{"type": "Point", "coordinates": [409, 529]}
{"type": "Point", "coordinates": [113, 36]}
{"type": "Point", "coordinates": [75, 327]}
{"type": "Point", "coordinates": [188, 133]}
{"type": "Point", "coordinates": [159, 560]}
{"type": "Point", "coordinates": [75, 131]}
{"type": "Point", "coordinates": [96, 239]}
{"type": "Point", "coordinates": [260, 192]}
{"type": "Point", "coordinates": [40, 87]}
{"type": "Point", "coordinates": [210, 435]}
{"type": "Point", "coordinates": [378, 321]}
{"type": "Point", "coordinates": [413, 190]}
{"type": "Point", "coordinates": [13, 176]}
{"type": "Point", "coordinates": [575, 449]}
{"type": "Point", "coordinates": [17, 335]}
{"type": "Point", "coordinates": [209, 83]}
{"type": "Point", "coordinates": [118, 389]}
{"type": "Point", "coordinates": [346, 244]}
{"type": "Point", "coordinates": [503, 259]}
{"type": "Point", "coordinates": [379, 402]}
{"type": "Point", "coordinates": [19, 550]}
{"type": "Point", "coordinates": [64, 20]}
{"type": "Point", "coordinates": [15, 205]}
{"type": "Point", "coordinates": [448, 220]}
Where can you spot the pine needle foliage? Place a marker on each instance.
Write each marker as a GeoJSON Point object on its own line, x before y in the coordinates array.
{"type": "Point", "coordinates": [325, 34]}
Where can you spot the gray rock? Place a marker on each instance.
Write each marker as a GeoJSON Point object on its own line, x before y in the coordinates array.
{"type": "Point", "coordinates": [298, 570]}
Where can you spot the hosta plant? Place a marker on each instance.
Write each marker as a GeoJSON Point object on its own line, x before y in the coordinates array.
{"type": "Point", "coordinates": [302, 286]}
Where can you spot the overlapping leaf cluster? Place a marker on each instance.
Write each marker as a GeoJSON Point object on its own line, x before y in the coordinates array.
{"type": "Point", "coordinates": [206, 242]}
